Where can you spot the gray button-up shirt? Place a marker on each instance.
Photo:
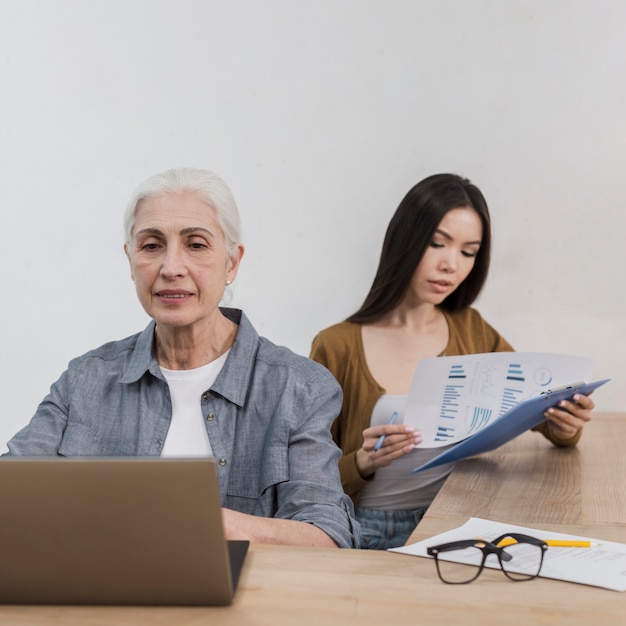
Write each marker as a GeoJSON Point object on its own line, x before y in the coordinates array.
{"type": "Point", "coordinates": [268, 418]}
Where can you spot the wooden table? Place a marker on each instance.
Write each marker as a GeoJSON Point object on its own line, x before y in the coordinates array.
{"type": "Point", "coordinates": [528, 482]}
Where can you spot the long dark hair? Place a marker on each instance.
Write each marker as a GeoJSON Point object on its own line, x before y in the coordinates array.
{"type": "Point", "coordinates": [408, 236]}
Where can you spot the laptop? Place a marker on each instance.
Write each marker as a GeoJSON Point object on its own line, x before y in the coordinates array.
{"type": "Point", "coordinates": [105, 530]}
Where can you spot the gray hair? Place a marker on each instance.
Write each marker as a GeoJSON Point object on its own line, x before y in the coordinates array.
{"type": "Point", "coordinates": [209, 186]}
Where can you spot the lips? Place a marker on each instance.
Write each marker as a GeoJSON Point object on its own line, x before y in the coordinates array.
{"type": "Point", "coordinates": [173, 294]}
{"type": "Point", "coordinates": [441, 286]}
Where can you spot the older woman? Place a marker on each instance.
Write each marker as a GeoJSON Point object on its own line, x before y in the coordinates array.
{"type": "Point", "coordinates": [199, 381]}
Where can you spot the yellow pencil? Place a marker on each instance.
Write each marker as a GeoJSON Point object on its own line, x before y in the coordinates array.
{"type": "Point", "coordinates": [557, 543]}
{"type": "Point", "coordinates": [564, 543]}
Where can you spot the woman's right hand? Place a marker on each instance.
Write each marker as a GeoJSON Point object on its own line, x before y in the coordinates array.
{"type": "Point", "coordinates": [399, 440]}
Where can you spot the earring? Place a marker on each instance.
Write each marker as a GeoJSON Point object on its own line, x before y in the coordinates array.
{"type": "Point", "coordinates": [228, 282]}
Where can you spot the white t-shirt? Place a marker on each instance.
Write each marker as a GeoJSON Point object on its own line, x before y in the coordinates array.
{"type": "Point", "coordinates": [394, 487]}
{"type": "Point", "coordinates": [187, 436]}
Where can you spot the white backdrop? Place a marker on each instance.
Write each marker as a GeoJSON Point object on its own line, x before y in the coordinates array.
{"type": "Point", "coordinates": [320, 115]}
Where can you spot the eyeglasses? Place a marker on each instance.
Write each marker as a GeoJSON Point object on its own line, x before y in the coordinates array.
{"type": "Point", "coordinates": [460, 562]}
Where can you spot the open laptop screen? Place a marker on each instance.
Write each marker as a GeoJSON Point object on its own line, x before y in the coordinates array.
{"type": "Point", "coordinates": [117, 530]}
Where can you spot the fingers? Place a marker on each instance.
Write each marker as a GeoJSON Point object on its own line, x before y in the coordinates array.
{"type": "Point", "coordinates": [398, 440]}
{"type": "Point", "coordinates": [584, 402]}
{"type": "Point", "coordinates": [390, 437]}
{"type": "Point", "coordinates": [570, 416]}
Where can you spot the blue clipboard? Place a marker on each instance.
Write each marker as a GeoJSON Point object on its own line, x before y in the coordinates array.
{"type": "Point", "coordinates": [522, 417]}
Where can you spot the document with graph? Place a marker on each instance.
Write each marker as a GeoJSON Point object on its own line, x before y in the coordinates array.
{"type": "Point", "coordinates": [480, 401]}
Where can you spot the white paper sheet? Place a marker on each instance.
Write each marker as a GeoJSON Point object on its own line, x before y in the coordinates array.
{"type": "Point", "coordinates": [603, 565]}
{"type": "Point", "coordinates": [451, 398]}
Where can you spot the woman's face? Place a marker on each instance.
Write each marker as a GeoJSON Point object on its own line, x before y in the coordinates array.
{"type": "Point", "coordinates": [178, 259]}
{"type": "Point", "coordinates": [449, 258]}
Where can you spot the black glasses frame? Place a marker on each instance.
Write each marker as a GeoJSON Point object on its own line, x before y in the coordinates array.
{"type": "Point", "coordinates": [488, 548]}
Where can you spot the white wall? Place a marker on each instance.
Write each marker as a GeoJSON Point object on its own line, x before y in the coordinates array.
{"type": "Point", "coordinates": [320, 115]}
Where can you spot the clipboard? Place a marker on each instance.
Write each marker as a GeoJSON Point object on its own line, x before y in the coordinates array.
{"type": "Point", "coordinates": [520, 418]}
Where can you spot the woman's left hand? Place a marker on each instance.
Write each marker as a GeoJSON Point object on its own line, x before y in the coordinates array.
{"type": "Point", "coordinates": [570, 416]}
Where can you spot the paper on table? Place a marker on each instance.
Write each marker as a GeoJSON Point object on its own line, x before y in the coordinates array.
{"type": "Point", "coordinates": [452, 398]}
{"type": "Point", "coordinates": [600, 566]}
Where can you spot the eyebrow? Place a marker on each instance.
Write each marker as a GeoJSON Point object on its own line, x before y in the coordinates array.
{"type": "Point", "coordinates": [443, 233]}
{"type": "Point", "coordinates": [185, 231]}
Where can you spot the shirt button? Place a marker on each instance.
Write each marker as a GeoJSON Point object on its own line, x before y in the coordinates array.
{"type": "Point", "coordinates": [210, 417]}
{"type": "Point", "coordinates": [206, 395]}
{"type": "Point", "coordinates": [222, 462]}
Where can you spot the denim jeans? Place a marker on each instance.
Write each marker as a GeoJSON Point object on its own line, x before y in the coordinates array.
{"type": "Point", "coordinates": [386, 529]}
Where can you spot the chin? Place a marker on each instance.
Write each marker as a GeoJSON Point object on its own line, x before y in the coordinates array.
{"type": "Point", "coordinates": [165, 321]}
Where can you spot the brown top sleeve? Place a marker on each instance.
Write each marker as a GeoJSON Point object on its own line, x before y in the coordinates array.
{"type": "Point", "coordinates": [340, 349]}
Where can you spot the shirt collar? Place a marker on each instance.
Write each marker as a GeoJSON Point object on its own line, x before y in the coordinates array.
{"type": "Point", "coordinates": [232, 382]}
{"type": "Point", "coordinates": [141, 359]}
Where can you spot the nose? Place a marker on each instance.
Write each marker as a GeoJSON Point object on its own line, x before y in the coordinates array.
{"type": "Point", "coordinates": [173, 263]}
{"type": "Point", "coordinates": [448, 260]}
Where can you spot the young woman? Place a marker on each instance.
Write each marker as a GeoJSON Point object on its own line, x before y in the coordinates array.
{"type": "Point", "coordinates": [433, 265]}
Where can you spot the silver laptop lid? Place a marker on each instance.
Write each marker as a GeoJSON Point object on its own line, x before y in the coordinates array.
{"type": "Point", "coordinates": [112, 531]}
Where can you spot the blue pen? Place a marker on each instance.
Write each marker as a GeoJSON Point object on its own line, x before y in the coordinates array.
{"type": "Point", "coordinates": [379, 443]}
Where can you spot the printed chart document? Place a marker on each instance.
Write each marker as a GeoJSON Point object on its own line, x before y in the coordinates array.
{"type": "Point", "coordinates": [452, 398]}
{"type": "Point", "coordinates": [479, 402]}
{"type": "Point", "coordinates": [601, 565]}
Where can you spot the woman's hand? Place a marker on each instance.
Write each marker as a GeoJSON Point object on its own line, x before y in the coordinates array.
{"type": "Point", "coordinates": [257, 529]}
{"type": "Point", "coordinates": [570, 416]}
{"type": "Point", "coordinates": [399, 440]}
